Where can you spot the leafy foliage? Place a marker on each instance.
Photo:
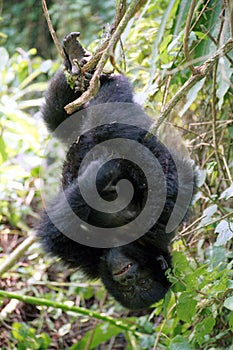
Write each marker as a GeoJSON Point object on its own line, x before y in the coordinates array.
{"type": "Point", "coordinates": [20, 156]}
{"type": "Point", "coordinates": [26, 337]}
{"type": "Point", "coordinates": [198, 311]}
{"type": "Point", "coordinates": [24, 24]}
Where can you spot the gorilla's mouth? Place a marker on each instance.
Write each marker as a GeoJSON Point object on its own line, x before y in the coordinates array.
{"type": "Point", "coordinates": [123, 270]}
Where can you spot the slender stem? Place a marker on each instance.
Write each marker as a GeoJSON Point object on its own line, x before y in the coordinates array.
{"type": "Point", "coordinates": [52, 31]}
{"type": "Point", "coordinates": [64, 307]}
{"type": "Point", "coordinates": [229, 7]}
{"type": "Point", "coordinates": [186, 35]}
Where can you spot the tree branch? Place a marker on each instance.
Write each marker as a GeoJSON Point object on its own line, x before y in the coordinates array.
{"type": "Point", "coordinates": [52, 31]}
{"type": "Point", "coordinates": [14, 257]}
{"type": "Point", "coordinates": [116, 31]}
{"type": "Point", "coordinates": [201, 72]}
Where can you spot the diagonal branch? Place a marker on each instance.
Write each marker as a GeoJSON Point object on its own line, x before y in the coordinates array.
{"type": "Point", "coordinates": [201, 72]}
{"type": "Point", "coordinates": [14, 257]}
{"type": "Point", "coordinates": [52, 31]}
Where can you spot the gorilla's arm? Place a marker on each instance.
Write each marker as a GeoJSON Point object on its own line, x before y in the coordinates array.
{"type": "Point", "coordinates": [58, 218]}
{"type": "Point", "coordinates": [58, 95]}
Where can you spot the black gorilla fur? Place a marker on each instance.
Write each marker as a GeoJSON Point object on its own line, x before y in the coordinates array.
{"type": "Point", "coordinates": [133, 273]}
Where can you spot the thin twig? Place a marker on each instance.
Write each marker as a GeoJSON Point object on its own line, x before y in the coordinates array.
{"type": "Point", "coordinates": [155, 347]}
{"type": "Point", "coordinates": [225, 163]}
{"type": "Point", "coordinates": [213, 111]}
{"type": "Point", "coordinates": [200, 228]}
{"type": "Point", "coordinates": [228, 4]}
{"type": "Point", "coordinates": [165, 94]}
{"type": "Point", "coordinates": [96, 322]}
{"type": "Point", "coordinates": [52, 31]}
{"type": "Point", "coordinates": [206, 31]}
{"type": "Point", "coordinates": [186, 35]}
{"type": "Point", "coordinates": [186, 231]}
{"type": "Point", "coordinates": [200, 14]}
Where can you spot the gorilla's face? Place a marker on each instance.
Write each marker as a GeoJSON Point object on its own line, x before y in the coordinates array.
{"type": "Point", "coordinates": [136, 280]}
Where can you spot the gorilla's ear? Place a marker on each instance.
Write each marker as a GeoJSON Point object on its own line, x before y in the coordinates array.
{"type": "Point", "coordinates": [163, 262]}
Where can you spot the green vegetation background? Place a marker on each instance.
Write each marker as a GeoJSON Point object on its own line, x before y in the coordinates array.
{"type": "Point", "coordinates": [198, 312]}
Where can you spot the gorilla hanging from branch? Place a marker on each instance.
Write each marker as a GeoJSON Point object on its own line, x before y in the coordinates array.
{"type": "Point", "coordinates": [123, 192]}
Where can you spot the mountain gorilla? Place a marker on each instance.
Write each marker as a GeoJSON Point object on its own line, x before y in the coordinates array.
{"type": "Point", "coordinates": [134, 272]}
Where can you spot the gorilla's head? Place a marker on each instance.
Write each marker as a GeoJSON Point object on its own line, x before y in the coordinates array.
{"type": "Point", "coordinates": [134, 275]}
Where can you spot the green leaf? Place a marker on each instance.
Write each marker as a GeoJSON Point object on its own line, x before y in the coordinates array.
{"type": "Point", "coordinates": [181, 16]}
{"type": "Point", "coordinates": [44, 340]}
{"type": "Point", "coordinates": [45, 66]}
{"type": "Point", "coordinates": [25, 336]}
{"type": "Point", "coordinates": [228, 193]}
{"type": "Point", "coordinates": [191, 96]}
{"type": "Point", "coordinates": [18, 331]}
{"type": "Point", "coordinates": [4, 57]}
{"type": "Point", "coordinates": [228, 303]}
{"type": "Point", "coordinates": [211, 21]}
{"type": "Point", "coordinates": [204, 328]}
{"type": "Point", "coordinates": [179, 343]}
{"type": "Point", "coordinates": [225, 231]}
{"type": "Point", "coordinates": [180, 262]}
{"type": "Point", "coordinates": [231, 321]}
{"type": "Point", "coordinates": [230, 130]}
{"type": "Point", "coordinates": [172, 5]}
{"type": "Point", "coordinates": [216, 255]}
{"type": "Point", "coordinates": [207, 214]}
{"type": "Point", "coordinates": [64, 329]}
{"type": "Point", "coordinates": [103, 332]}
{"type": "Point", "coordinates": [186, 308]}
{"type": "Point", "coordinates": [3, 153]}
{"type": "Point", "coordinates": [224, 74]}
